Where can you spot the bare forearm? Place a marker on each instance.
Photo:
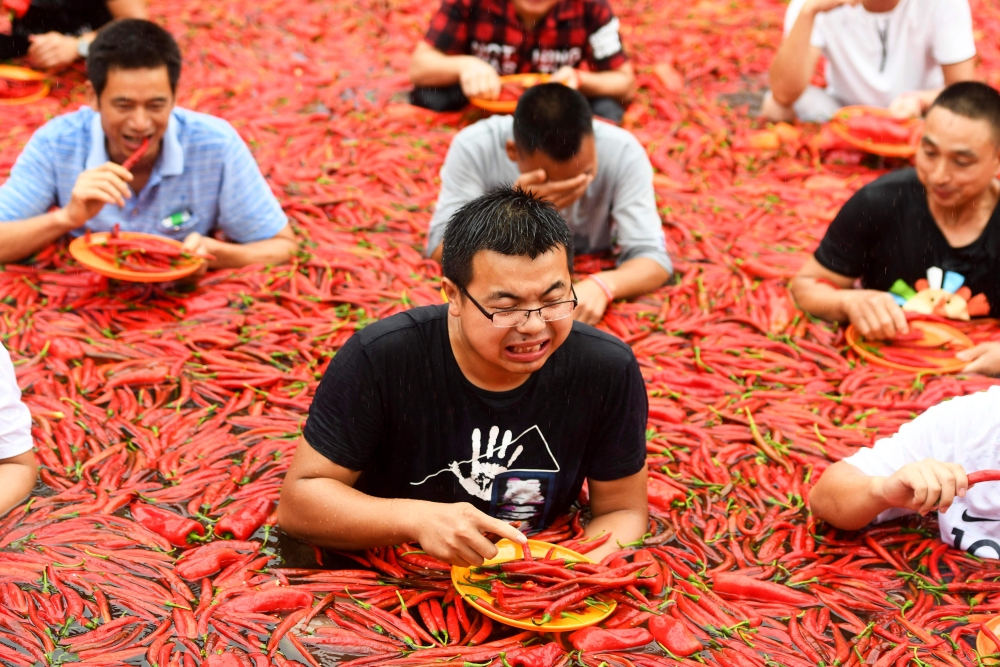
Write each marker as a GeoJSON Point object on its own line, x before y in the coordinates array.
{"type": "Point", "coordinates": [276, 250]}
{"type": "Point", "coordinates": [635, 277]}
{"type": "Point", "coordinates": [819, 299]}
{"type": "Point", "coordinates": [433, 68]}
{"type": "Point", "coordinates": [845, 497]}
{"type": "Point", "coordinates": [128, 9]}
{"type": "Point", "coordinates": [23, 238]}
{"type": "Point", "coordinates": [791, 68]}
{"type": "Point", "coordinates": [331, 514]}
{"type": "Point", "coordinates": [17, 475]}
{"type": "Point", "coordinates": [618, 83]}
{"type": "Point", "coordinates": [626, 527]}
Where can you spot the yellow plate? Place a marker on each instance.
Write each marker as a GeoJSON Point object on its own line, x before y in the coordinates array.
{"type": "Point", "coordinates": [15, 73]}
{"type": "Point", "coordinates": [985, 645]}
{"type": "Point", "coordinates": [510, 551]}
{"type": "Point", "coordinates": [83, 254]}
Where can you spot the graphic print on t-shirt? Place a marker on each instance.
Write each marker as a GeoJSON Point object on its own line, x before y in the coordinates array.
{"type": "Point", "coordinates": [942, 293]}
{"type": "Point", "coordinates": [525, 465]}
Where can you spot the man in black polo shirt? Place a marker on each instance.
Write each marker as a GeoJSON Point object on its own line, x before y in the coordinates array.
{"type": "Point", "coordinates": [442, 423]}
{"type": "Point", "coordinates": [924, 239]}
{"type": "Point", "coordinates": [471, 43]}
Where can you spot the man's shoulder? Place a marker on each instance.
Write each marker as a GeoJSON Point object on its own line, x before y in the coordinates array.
{"type": "Point", "coordinates": [198, 129]}
{"type": "Point", "coordinates": [400, 329]}
{"type": "Point", "coordinates": [488, 135]}
{"type": "Point", "coordinates": [597, 349]}
{"type": "Point", "coordinates": [895, 184]}
{"type": "Point", "coordinates": [616, 140]}
{"type": "Point", "coordinates": [69, 127]}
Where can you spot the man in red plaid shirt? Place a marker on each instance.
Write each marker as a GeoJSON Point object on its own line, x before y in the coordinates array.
{"type": "Point", "coordinates": [471, 43]}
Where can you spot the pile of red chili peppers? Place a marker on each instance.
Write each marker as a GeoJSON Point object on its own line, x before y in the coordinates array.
{"type": "Point", "coordinates": [165, 417]}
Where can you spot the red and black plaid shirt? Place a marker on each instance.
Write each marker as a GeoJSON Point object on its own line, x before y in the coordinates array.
{"type": "Point", "coordinates": [575, 31]}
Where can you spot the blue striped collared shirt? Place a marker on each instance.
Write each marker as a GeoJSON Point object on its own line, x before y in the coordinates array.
{"type": "Point", "coordinates": [204, 179]}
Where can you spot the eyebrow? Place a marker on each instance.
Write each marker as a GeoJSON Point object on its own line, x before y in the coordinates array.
{"type": "Point", "coordinates": [963, 152]}
{"type": "Point", "coordinates": [125, 98]}
{"type": "Point", "coordinates": [496, 296]}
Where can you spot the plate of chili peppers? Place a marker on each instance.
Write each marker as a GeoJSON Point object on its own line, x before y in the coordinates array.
{"type": "Point", "coordinates": [547, 588]}
{"type": "Point", "coordinates": [875, 130]}
{"type": "Point", "coordinates": [134, 256]}
{"type": "Point", "coordinates": [929, 347]}
{"type": "Point", "coordinates": [20, 85]}
{"type": "Point", "coordinates": [512, 87]}
{"type": "Point", "coordinates": [987, 642]}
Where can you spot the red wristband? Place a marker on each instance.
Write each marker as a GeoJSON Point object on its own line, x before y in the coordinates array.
{"type": "Point", "coordinates": [604, 287]}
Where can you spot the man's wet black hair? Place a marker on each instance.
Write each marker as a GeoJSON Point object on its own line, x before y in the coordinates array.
{"type": "Point", "coordinates": [553, 119]}
{"type": "Point", "coordinates": [974, 100]}
{"type": "Point", "coordinates": [506, 220]}
{"type": "Point", "coordinates": [132, 44]}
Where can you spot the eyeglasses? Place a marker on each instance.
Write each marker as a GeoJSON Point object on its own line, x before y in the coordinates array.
{"type": "Point", "coordinates": [506, 319]}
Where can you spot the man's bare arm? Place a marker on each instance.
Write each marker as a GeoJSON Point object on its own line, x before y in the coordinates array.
{"type": "Point", "coordinates": [275, 250]}
{"type": "Point", "coordinates": [876, 314]}
{"type": "Point", "coordinates": [616, 83]}
{"type": "Point", "coordinates": [319, 505]}
{"type": "Point", "coordinates": [619, 507]}
{"type": "Point", "coordinates": [23, 238]}
{"type": "Point", "coordinates": [17, 479]}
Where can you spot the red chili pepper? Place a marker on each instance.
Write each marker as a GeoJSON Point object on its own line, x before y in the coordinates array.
{"type": "Point", "coordinates": [543, 655]}
{"type": "Point", "coordinates": [134, 158]}
{"type": "Point", "coordinates": [598, 639]}
{"type": "Point", "coordinates": [173, 527]}
{"type": "Point", "coordinates": [981, 476]}
{"type": "Point", "coordinates": [879, 129]}
{"type": "Point", "coordinates": [242, 521]}
{"type": "Point", "coordinates": [745, 587]}
{"type": "Point", "coordinates": [674, 635]}
{"type": "Point", "coordinates": [270, 599]}
{"type": "Point", "coordinates": [18, 7]}
{"type": "Point", "coordinates": [652, 575]}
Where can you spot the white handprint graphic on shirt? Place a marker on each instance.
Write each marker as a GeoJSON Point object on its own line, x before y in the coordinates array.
{"type": "Point", "coordinates": [479, 483]}
{"type": "Point", "coordinates": [521, 454]}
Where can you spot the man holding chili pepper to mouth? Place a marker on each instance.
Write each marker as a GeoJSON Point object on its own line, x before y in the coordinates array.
{"type": "Point", "coordinates": [927, 466]}
{"type": "Point", "coordinates": [471, 43]}
{"type": "Point", "coordinates": [194, 178]}
{"type": "Point", "coordinates": [895, 54]}
{"type": "Point", "coordinates": [940, 220]}
{"type": "Point", "coordinates": [441, 424]}
{"type": "Point", "coordinates": [597, 175]}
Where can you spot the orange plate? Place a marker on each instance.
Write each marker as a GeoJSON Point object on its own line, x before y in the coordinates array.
{"type": "Point", "coordinates": [15, 73]}
{"type": "Point", "coordinates": [483, 601]}
{"type": "Point", "coordinates": [839, 128]}
{"type": "Point", "coordinates": [508, 106]}
{"type": "Point", "coordinates": [937, 333]}
{"type": "Point", "coordinates": [82, 253]}
{"type": "Point", "coordinates": [984, 646]}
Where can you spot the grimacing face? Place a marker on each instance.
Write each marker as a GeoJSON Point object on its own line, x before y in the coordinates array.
{"type": "Point", "coordinates": [502, 281]}
{"type": "Point", "coordinates": [135, 104]}
{"type": "Point", "coordinates": [957, 159]}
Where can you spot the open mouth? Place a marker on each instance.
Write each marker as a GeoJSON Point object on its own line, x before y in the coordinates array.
{"type": "Point", "coordinates": [527, 352]}
{"type": "Point", "coordinates": [133, 141]}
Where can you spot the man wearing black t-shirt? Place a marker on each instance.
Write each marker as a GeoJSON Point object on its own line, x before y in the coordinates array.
{"type": "Point", "coordinates": [924, 239]}
{"type": "Point", "coordinates": [446, 422]}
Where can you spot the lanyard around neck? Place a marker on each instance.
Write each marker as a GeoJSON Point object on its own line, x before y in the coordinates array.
{"type": "Point", "coordinates": [883, 37]}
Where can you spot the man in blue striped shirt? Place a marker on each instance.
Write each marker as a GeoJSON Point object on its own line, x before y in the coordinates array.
{"type": "Point", "coordinates": [196, 178]}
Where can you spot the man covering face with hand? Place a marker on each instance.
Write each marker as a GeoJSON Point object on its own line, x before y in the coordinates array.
{"type": "Point", "coordinates": [597, 175]}
{"type": "Point", "coordinates": [443, 423]}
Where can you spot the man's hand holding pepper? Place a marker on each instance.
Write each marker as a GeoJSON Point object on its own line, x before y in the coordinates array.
{"type": "Point", "coordinates": [923, 486]}
{"type": "Point", "coordinates": [106, 184]}
{"type": "Point", "coordinates": [591, 302]}
{"type": "Point", "coordinates": [875, 314]}
{"type": "Point", "coordinates": [561, 193]}
{"type": "Point", "coordinates": [455, 532]}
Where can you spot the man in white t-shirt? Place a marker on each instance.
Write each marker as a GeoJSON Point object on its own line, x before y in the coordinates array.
{"type": "Point", "coordinates": [923, 468]}
{"type": "Point", "coordinates": [17, 462]}
{"type": "Point", "coordinates": [895, 54]}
